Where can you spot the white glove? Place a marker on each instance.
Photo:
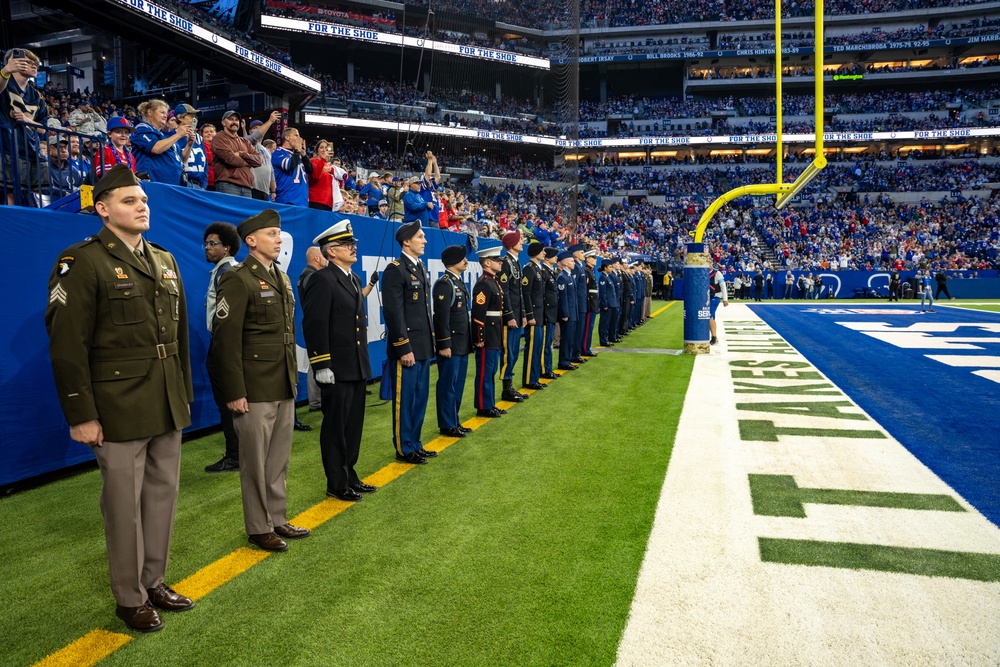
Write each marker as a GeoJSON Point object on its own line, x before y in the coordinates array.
{"type": "Point", "coordinates": [324, 376]}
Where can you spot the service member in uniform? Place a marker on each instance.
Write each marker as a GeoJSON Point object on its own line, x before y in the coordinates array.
{"type": "Point", "coordinates": [515, 318]}
{"type": "Point", "coordinates": [614, 335]}
{"type": "Point", "coordinates": [605, 297]}
{"type": "Point", "coordinates": [254, 344]}
{"type": "Point", "coordinates": [221, 245]}
{"type": "Point", "coordinates": [453, 338]}
{"type": "Point", "coordinates": [488, 312]}
{"type": "Point", "coordinates": [406, 307]}
{"type": "Point", "coordinates": [335, 328]}
{"type": "Point", "coordinates": [590, 257]}
{"type": "Point", "coordinates": [533, 280]}
{"type": "Point", "coordinates": [580, 283]}
{"type": "Point", "coordinates": [568, 311]}
{"type": "Point", "coordinates": [627, 302]}
{"type": "Point", "coordinates": [551, 271]}
{"type": "Point", "coordinates": [118, 340]}
{"type": "Point", "coordinates": [315, 261]}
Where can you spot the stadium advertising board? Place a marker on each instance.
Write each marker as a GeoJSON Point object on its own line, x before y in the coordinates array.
{"type": "Point", "coordinates": [735, 139]}
{"type": "Point", "coordinates": [355, 33]}
{"type": "Point", "coordinates": [185, 25]}
{"type": "Point", "coordinates": [792, 50]}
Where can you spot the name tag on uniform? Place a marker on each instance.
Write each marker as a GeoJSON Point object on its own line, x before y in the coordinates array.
{"type": "Point", "coordinates": [124, 284]}
{"type": "Point", "coordinates": [267, 293]}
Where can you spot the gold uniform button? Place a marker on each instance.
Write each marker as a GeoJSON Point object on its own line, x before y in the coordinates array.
{"type": "Point", "coordinates": [118, 372]}
{"type": "Point", "coordinates": [359, 342]}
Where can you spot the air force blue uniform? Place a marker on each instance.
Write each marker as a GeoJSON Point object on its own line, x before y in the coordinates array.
{"type": "Point", "coordinates": [568, 317]}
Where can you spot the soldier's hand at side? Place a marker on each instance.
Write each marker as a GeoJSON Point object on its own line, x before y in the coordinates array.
{"type": "Point", "coordinates": [325, 376]}
{"type": "Point", "coordinates": [524, 322]}
{"type": "Point", "coordinates": [511, 324]}
{"type": "Point", "coordinates": [446, 353]}
{"type": "Point", "coordinates": [240, 406]}
{"type": "Point", "coordinates": [89, 433]}
{"type": "Point", "coordinates": [479, 344]}
{"type": "Point", "coordinates": [531, 322]}
{"type": "Point", "coordinates": [408, 359]}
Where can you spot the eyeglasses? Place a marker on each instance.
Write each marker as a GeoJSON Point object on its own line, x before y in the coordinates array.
{"type": "Point", "coordinates": [348, 244]}
{"type": "Point", "coordinates": [210, 244]}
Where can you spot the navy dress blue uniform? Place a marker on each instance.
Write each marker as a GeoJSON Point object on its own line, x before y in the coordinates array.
{"type": "Point", "coordinates": [409, 325]}
{"type": "Point", "coordinates": [580, 282]}
{"type": "Point", "coordinates": [605, 297]}
{"type": "Point", "coordinates": [551, 316]}
{"type": "Point", "coordinates": [510, 282]}
{"type": "Point", "coordinates": [335, 328]}
{"type": "Point", "coordinates": [487, 337]}
{"type": "Point", "coordinates": [568, 317]}
{"type": "Point", "coordinates": [623, 324]}
{"type": "Point", "coordinates": [452, 332]}
{"type": "Point", "coordinates": [533, 279]}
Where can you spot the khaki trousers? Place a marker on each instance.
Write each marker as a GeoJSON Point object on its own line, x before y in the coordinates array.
{"type": "Point", "coordinates": [138, 501]}
{"type": "Point", "coordinates": [265, 434]}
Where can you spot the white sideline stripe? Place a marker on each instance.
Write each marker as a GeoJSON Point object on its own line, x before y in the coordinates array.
{"type": "Point", "coordinates": [703, 596]}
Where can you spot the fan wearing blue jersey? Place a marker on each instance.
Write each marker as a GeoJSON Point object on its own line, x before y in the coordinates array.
{"type": "Point", "coordinates": [291, 170]}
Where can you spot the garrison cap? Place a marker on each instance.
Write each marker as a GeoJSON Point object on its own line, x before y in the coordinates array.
{"type": "Point", "coordinates": [120, 176]}
{"type": "Point", "coordinates": [534, 248]}
{"type": "Point", "coordinates": [550, 253]}
{"type": "Point", "coordinates": [565, 254]}
{"type": "Point", "coordinates": [511, 239]}
{"type": "Point", "coordinates": [407, 231]}
{"type": "Point", "coordinates": [339, 233]}
{"type": "Point", "coordinates": [493, 252]}
{"type": "Point", "coordinates": [263, 220]}
{"type": "Point", "coordinates": [453, 254]}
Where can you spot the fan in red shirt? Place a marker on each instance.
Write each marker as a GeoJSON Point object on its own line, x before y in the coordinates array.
{"type": "Point", "coordinates": [207, 133]}
{"type": "Point", "coordinates": [116, 151]}
{"type": "Point", "coordinates": [321, 180]}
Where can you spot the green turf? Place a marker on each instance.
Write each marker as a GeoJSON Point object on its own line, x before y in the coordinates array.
{"type": "Point", "coordinates": [994, 307]}
{"type": "Point", "coordinates": [519, 545]}
{"type": "Point", "coordinates": [653, 335]}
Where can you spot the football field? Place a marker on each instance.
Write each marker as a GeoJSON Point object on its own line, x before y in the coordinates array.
{"type": "Point", "coordinates": [760, 505]}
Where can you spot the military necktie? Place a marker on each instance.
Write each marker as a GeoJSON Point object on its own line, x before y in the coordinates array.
{"type": "Point", "coordinates": [142, 259]}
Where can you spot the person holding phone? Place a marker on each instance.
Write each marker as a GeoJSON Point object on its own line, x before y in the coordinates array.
{"type": "Point", "coordinates": [22, 109]}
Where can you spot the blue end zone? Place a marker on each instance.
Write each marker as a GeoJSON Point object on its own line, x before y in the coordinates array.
{"type": "Point", "coordinates": [945, 415]}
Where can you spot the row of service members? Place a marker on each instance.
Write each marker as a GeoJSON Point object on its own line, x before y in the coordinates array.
{"type": "Point", "coordinates": [117, 321]}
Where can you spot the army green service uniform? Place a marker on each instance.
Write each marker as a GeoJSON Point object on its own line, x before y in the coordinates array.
{"type": "Point", "coordinates": [118, 335]}
{"type": "Point", "coordinates": [254, 346]}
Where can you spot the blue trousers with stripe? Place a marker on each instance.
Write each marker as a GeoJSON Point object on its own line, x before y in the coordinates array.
{"type": "Point", "coordinates": [550, 336]}
{"type": "Point", "coordinates": [410, 391]}
{"type": "Point", "coordinates": [487, 361]}
{"type": "Point", "coordinates": [450, 387]}
{"type": "Point", "coordinates": [531, 369]}
{"type": "Point", "coordinates": [512, 349]}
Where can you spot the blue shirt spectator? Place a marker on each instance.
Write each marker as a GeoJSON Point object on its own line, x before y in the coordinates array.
{"type": "Point", "coordinates": [415, 206]}
{"type": "Point", "coordinates": [157, 153]}
{"type": "Point", "coordinates": [290, 174]}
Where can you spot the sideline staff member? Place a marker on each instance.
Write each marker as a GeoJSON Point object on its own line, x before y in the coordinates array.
{"type": "Point", "coordinates": [254, 346]}
{"type": "Point", "coordinates": [118, 332]}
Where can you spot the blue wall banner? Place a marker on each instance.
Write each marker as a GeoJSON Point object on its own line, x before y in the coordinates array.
{"type": "Point", "coordinates": [34, 437]}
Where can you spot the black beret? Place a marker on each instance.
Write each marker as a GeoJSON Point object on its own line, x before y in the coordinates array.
{"type": "Point", "coordinates": [551, 252]}
{"type": "Point", "coordinates": [264, 219]}
{"type": "Point", "coordinates": [534, 248]}
{"type": "Point", "coordinates": [120, 176]}
{"type": "Point", "coordinates": [407, 231]}
{"type": "Point", "coordinates": [453, 254]}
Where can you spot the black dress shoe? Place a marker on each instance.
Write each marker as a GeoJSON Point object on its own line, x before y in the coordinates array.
{"type": "Point", "coordinates": [512, 396]}
{"type": "Point", "coordinates": [490, 414]}
{"type": "Point", "coordinates": [579, 360]}
{"type": "Point", "coordinates": [500, 411]}
{"type": "Point", "coordinates": [140, 619]}
{"type": "Point", "coordinates": [361, 487]}
{"type": "Point", "coordinates": [163, 597]}
{"type": "Point", "coordinates": [567, 368]}
{"type": "Point", "coordinates": [412, 458]}
{"type": "Point", "coordinates": [268, 542]}
{"type": "Point", "coordinates": [536, 386]}
{"type": "Point", "coordinates": [347, 495]}
{"type": "Point", "coordinates": [427, 453]}
{"type": "Point", "coordinates": [225, 464]}
{"type": "Point", "coordinates": [453, 432]}
{"type": "Point", "coordinates": [290, 532]}
{"type": "Point", "coordinates": [299, 426]}
{"type": "Point", "coordinates": [549, 376]}
{"type": "Point", "coordinates": [464, 429]}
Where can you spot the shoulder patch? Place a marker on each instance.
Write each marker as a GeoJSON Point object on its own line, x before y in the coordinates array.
{"type": "Point", "coordinates": [65, 264]}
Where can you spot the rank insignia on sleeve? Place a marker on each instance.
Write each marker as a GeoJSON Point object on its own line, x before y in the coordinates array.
{"type": "Point", "coordinates": [58, 294]}
{"type": "Point", "coordinates": [524, 280]}
{"type": "Point", "coordinates": [562, 286]}
{"type": "Point", "coordinates": [441, 297]}
{"type": "Point", "coordinates": [481, 299]}
{"type": "Point", "coordinates": [222, 309]}
{"type": "Point", "coordinates": [119, 273]}
{"type": "Point", "coordinates": [503, 278]}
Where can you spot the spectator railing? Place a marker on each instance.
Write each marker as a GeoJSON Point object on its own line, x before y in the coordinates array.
{"type": "Point", "coordinates": [30, 178]}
